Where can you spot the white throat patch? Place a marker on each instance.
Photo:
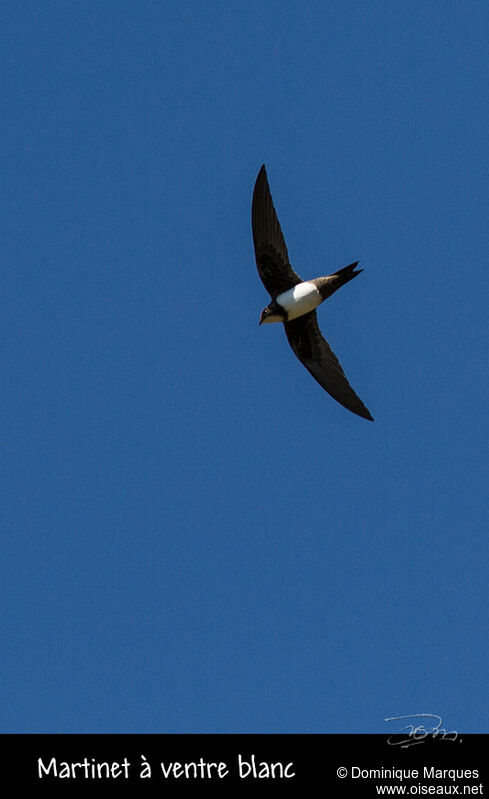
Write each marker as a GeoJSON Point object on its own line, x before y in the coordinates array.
{"type": "Point", "coordinates": [300, 299]}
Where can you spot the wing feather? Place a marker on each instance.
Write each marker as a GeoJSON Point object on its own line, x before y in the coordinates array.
{"type": "Point", "coordinates": [272, 258]}
{"type": "Point", "coordinates": [314, 352]}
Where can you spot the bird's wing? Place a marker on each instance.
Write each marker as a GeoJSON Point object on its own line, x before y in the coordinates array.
{"type": "Point", "coordinates": [272, 258]}
{"type": "Point", "coordinates": [313, 350]}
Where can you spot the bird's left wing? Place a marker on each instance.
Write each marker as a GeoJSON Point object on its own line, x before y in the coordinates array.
{"type": "Point", "coordinates": [272, 258]}
{"type": "Point", "coordinates": [314, 352]}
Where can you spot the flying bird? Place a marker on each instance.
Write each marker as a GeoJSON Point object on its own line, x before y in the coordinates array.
{"type": "Point", "coordinates": [294, 300]}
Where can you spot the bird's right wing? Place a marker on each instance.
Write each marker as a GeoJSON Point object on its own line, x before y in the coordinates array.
{"type": "Point", "coordinates": [272, 258]}
{"type": "Point", "coordinates": [314, 352]}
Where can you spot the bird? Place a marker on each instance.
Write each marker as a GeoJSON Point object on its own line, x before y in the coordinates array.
{"type": "Point", "coordinates": [294, 301]}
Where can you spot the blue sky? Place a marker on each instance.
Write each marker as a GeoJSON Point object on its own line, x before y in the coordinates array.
{"type": "Point", "coordinates": [196, 537]}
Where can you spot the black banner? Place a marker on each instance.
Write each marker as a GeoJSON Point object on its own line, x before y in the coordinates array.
{"type": "Point", "coordinates": [177, 765]}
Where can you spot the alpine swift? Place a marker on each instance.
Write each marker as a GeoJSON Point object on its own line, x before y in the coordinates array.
{"type": "Point", "coordinates": [294, 300]}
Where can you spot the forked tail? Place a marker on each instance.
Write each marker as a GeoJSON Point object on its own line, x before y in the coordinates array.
{"type": "Point", "coordinates": [328, 285]}
{"type": "Point", "coordinates": [347, 273]}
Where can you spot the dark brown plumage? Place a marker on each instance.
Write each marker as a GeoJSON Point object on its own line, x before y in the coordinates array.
{"type": "Point", "coordinates": [303, 331]}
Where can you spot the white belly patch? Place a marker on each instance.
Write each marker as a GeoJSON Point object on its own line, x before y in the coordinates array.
{"type": "Point", "coordinates": [300, 299]}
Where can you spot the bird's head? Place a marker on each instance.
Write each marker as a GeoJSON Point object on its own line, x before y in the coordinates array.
{"type": "Point", "coordinates": [272, 313]}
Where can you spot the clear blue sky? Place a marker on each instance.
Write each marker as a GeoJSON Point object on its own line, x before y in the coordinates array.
{"type": "Point", "coordinates": [195, 536]}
